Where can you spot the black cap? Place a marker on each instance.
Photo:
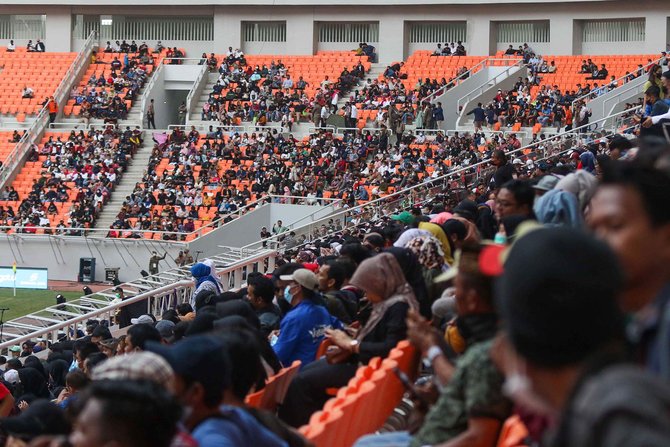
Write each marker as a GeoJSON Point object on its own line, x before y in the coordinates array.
{"type": "Point", "coordinates": [101, 331]}
{"type": "Point", "coordinates": [557, 296]}
{"type": "Point", "coordinates": [200, 358]}
{"type": "Point", "coordinates": [40, 418]}
{"type": "Point", "coordinates": [467, 209]}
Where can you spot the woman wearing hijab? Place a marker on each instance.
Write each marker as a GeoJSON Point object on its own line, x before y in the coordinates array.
{"type": "Point", "coordinates": [204, 281]}
{"type": "Point", "coordinates": [212, 271]}
{"type": "Point", "coordinates": [33, 385]}
{"type": "Point", "coordinates": [558, 208]}
{"type": "Point", "coordinates": [411, 270]}
{"type": "Point", "coordinates": [385, 287]}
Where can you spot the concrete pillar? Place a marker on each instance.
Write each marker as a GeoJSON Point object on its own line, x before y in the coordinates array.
{"type": "Point", "coordinates": [479, 36]}
{"type": "Point", "coordinates": [227, 29]}
{"type": "Point", "coordinates": [58, 29]}
{"type": "Point", "coordinates": [300, 33]}
{"type": "Point", "coordinates": [656, 26]}
{"type": "Point", "coordinates": [392, 39]}
{"type": "Point", "coordinates": [562, 35]}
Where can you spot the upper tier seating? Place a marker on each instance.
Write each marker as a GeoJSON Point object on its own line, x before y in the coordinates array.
{"type": "Point", "coordinates": [126, 87]}
{"type": "Point", "coordinates": [41, 72]}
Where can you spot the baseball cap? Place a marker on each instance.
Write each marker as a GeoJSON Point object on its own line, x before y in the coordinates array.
{"type": "Point", "coordinates": [304, 277]}
{"type": "Point", "coordinates": [554, 275]}
{"type": "Point", "coordinates": [143, 319]}
{"type": "Point", "coordinates": [405, 217]}
{"type": "Point", "coordinates": [546, 183]}
{"type": "Point", "coordinates": [200, 358]}
{"type": "Point", "coordinates": [15, 348]}
{"type": "Point", "coordinates": [40, 418]}
{"type": "Point", "coordinates": [165, 328]}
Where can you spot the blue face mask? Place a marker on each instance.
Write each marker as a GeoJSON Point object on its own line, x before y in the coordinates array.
{"type": "Point", "coordinates": [287, 294]}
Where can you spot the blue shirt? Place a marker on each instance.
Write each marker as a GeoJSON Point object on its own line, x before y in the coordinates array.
{"type": "Point", "coordinates": [236, 427]}
{"type": "Point", "coordinates": [301, 332]}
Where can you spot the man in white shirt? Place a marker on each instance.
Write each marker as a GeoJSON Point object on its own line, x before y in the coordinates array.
{"type": "Point", "coordinates": [288, 83]}
{"type": "Point", "coordinates": [27, 92]}
{"type": "Point", "coordinates": [354, 115]}
{"type": "Point", "coordinates": [11, 47]}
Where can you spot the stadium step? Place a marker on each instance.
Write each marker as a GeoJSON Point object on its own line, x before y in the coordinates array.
{"type": "Point", "coordinates": [133, 174]}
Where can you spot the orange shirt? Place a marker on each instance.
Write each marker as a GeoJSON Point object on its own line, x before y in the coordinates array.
{"type": "Point", "coordinates": [53, 107]}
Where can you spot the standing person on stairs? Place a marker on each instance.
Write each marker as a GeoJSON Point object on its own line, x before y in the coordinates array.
{"type": "Point", "coordinates": [151, 115]}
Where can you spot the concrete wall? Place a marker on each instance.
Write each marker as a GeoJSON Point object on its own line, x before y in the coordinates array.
{"type": "Point", "coordinates": [301, 16]}
{"type": "Point", "coordinates": [158, 93]}
{"type": "Point", "coordinates": [61, 255]}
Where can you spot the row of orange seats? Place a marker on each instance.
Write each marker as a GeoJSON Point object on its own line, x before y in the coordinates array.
{"type": "Point", "coordinates": [103, 68]}
{"type": "Point", "coordinates": [366, 402]}
{"type": "Point", "coordinates": [40, 71]}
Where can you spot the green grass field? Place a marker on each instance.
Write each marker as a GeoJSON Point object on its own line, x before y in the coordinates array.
{"type": "Point", "coordinates": [27, 301]}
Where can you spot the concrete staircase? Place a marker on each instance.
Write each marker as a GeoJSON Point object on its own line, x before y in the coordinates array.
{"type": "Point", "coordinates": [133, 174]}
{"type": "Point", "coordinates": [375, 70]}
{"type": "Point", "coordinates": [196, 107]}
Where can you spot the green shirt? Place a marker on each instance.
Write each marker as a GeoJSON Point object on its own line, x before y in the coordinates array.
{"type": "Point", "coordinates": [475, 390]}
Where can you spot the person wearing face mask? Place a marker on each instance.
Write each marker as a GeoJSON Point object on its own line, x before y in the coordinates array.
{"type": "Point", "coordinates": [303, 328]}
{"type": "Point", "coordinates": [202, 382]}
{"type": "Point", "coordinates": [391, 297]}
{"type": "Point", "coordinates": [564, 345]}
{"type": "Point", "coordinates": [471, 408]}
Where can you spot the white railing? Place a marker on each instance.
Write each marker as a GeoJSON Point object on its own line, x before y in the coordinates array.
{"type": "Point", "coordinates": [16, 157]}
{"type": "Point", "coordinates": [463, 100]}
{"type": "Point", "coordinates": [456, 81]}
{"type": "Point", "coordinates": [473, 170]}
{"type": "Point", "coordinates": [195, 92]}
{"type": "Point", "coordinates": [621, 82]}
{"type": "Point", "coordinates": [161, 292]}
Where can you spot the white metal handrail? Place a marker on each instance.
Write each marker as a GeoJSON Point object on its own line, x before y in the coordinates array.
{"type": "Point", "coordinates": [161, 292]}
{"type": "Point", "coordinates": [590, 95]}
{"type": "Point", "coordinates": [464, 76]}
{"type": "Point", "coordinates": [196, 89]}
{"type": "Point", "coordinates": [487, 85]}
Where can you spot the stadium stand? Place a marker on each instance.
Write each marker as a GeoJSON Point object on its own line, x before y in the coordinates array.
{"type": "Point", "coordinates": [41, 72]}
{"type": "Point", "coordinates": [465, 288]}
{"type": "Point", "coordinates": [264, 89]}
{"type": "Point", "coordinates": [67, 180]}
{"type": "Point", "coordinates": [112, 82]}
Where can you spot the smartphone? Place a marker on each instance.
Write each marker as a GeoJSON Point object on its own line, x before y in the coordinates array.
{"type": "Point", "coordinates": [409, 386]}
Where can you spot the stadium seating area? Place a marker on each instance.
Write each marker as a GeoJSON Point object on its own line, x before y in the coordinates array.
{"type": "Point", "coordinates": [68, 179]}
{"type": "Point", "coordinates": [422, 319]}
{"type": "Point", "coordinates": [263, 89]}
{"type": "Point", "coordinates": [42, 72]}
{"type": "Point", "coordinates": [113, 81]}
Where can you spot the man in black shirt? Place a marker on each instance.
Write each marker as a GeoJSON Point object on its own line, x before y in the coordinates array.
{"type": "Point", "coordinates": [504, 170]}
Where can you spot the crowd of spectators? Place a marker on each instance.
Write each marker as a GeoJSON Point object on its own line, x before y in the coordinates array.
{"type": "Point", "coordinates": [196, 177]}
{"type": "Point", "coordinates": [269, 94]}
{"type": "Point", "coordinates": [534, 101]}
{"type": "Point", "coordinates": [79, 170]}
{"type": "Point", "coordinates": [107, 95]}
{"type": "Point", "coordinates": [483, 285]}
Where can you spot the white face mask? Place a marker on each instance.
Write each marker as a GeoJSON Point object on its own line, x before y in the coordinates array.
{"type": "Point", "coordinates": [519, 388]}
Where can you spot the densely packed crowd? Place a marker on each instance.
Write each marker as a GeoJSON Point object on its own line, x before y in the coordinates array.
{"type": "Point", "coordinates": [80, 169]}
{"type": "Point", "coordinates": [542, 292]}
{"type": "Point", "coordinates": [268, 94]}
{"type": "Point", "coordinates": [107, 95]}
{"type": "Point", "coordinates": [193, 177]}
